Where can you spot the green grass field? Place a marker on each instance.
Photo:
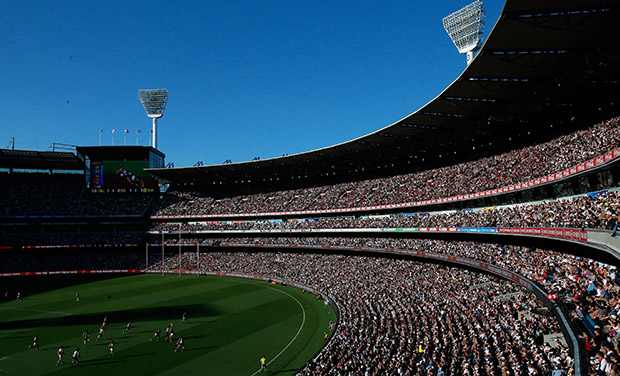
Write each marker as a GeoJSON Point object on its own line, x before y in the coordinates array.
{"type": "Point", "coordinates": [231, 324]}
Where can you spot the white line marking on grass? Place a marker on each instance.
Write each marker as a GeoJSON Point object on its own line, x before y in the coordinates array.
{"type": "Point", "coordinates": [303, 321]}
{"type": "Point", "coordinates": [38, 310]}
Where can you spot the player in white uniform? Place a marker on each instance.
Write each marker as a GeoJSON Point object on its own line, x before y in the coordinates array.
{"type": "Point", "coordinates": [180, 344]}
{"type": "Point", "coordinates": [128, 328]}
{"type": "Point", "coordinates": [76, 355]}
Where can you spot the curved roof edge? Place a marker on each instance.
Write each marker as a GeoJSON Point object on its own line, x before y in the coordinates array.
{"type": "Point", "coordinates": [542, 63]}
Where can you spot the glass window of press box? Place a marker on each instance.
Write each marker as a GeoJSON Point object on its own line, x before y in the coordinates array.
{"type": "Point", "coordinates": [156, 160]}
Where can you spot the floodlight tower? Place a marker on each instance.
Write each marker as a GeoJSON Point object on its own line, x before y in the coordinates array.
{"type": "Point", "coordinates": [154, 103]}
{"type": "Point", "coordinates": [465, 27]}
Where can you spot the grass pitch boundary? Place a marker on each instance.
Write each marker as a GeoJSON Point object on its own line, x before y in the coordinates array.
{"type": "Point", "coordinates": [303, 322]}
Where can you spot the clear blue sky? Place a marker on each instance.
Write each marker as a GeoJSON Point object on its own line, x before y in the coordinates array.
{"type": "Point", "coordinates": [245, 78]}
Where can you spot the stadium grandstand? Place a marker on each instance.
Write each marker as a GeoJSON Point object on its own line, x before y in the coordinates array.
{"type": "Point", "coordinates": [47, 200]}
{"type": "Point", "coordinates": [475, 236]}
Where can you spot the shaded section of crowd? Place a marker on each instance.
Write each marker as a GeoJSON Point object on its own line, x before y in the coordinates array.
{"type": "Point", "coordinates": [11, 262]}
{"type": "Point", "coordinates": [39, 194]}
{"type": "Point", "coordinates": [81, 239]}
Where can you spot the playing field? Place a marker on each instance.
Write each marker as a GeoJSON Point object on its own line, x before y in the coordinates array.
{"type": "Point", "coordinates": [231, 324]}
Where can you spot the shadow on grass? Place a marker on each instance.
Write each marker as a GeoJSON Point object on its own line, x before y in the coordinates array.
{"type": "Point", "coordinates": [197, 322]}
{"type": "Point", "coordinates": [138, 355]}
{"type": "Point", "coordinates": [14, 337]}
{"type": "Point", "coordinates": [142, 314]}
{"type": "Point", "coordinates": [200, 348]}
{"type": "Point", "coordinates": [97, 362]}
{"type": "Point", "coordinates": [100, 361]}
{"type": "Point", "coordinates": [193, 337]}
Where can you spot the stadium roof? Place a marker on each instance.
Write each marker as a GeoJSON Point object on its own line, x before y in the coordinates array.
{"type": "Point", "coordinates": [116, 153]}
{"type": "Point", "coordinates": [552, 62]}
{"type": "Point", "coordinates": [39, 160]}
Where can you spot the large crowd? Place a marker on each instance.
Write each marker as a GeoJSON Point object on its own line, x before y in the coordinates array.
{"type": "Point", "coordinates": [74, 239]}
{"type": "Point", "coordinates": [400, 317]}
{"type": "Point", "coordinates": [587, 288]}
{"type": "Point", "coordinates": [498, 171]}
{"type": "Point", "coordinates": [37, 261]}
{"type": "Point", "coordinates": [595, 211]}
{"type": "Point", "coordinates": [38, 194]}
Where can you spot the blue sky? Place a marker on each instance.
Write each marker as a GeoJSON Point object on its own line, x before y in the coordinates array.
{"type": "Point", "coordinates": [245, 78]}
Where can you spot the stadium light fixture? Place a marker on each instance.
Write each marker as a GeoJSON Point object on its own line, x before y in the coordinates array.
{"type": "Point", "coordinates": [465, 27]}
{"type": "Point", "coordinates": [154, 103]}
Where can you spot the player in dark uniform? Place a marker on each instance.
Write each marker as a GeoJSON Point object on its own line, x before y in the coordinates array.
{"type": "Point", "coordinates": [85, 337]}
{"type": "Point", "coordinates": [128, 328]}
{"type": "Point", "coordinates": [156, 335]}
{"type": "Point", "coordinates": [184, 318]}
{"type": "Point", "coordinates": [105, 322]}
{"type": "Point", "coordinates": [100, 334]}
{"type": "Point", "coordinates": [35, 343]}
{"type": "Point", "coordinates": [180, 344]}
{"type": "Point", "coordinates": [111, 347]}
{"type": "Point", "coordinates": [76, 355]}
{"type": "Point", "coordinates": [61, 352]}
{"type": "Point", "coordinates": [168, 331]}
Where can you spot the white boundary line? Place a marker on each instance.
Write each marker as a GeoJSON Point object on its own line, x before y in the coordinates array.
{"type": "Point", "coordinates": [38, 310]}
{"type": "Point", "coordinates": [303, 321]}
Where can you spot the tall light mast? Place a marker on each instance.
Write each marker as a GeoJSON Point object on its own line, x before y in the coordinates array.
{"type": "Point", "coordinates": [465, 27]}
{"type": "Point", "coordinates": [154, 103]}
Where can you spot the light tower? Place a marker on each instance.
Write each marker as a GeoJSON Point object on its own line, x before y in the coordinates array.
{"type": "Point", "coordinates": [465, 27]}
{"type": "Point", "coordinates": [154, 103]}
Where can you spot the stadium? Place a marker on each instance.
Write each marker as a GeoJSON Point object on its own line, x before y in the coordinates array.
{"type": "Point", "coordinates": [475, 236]}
